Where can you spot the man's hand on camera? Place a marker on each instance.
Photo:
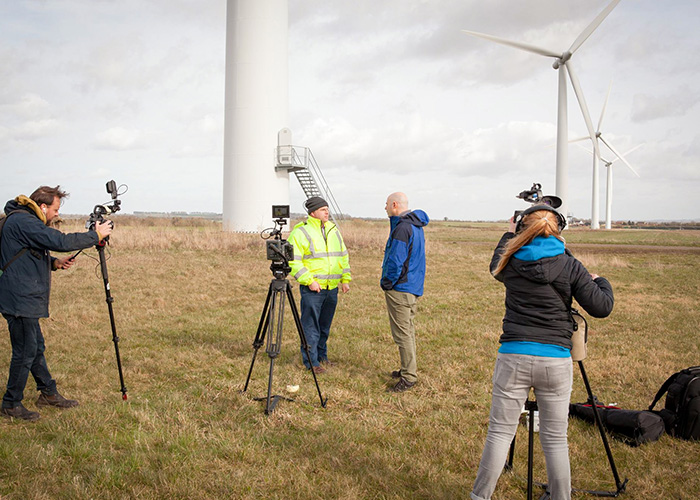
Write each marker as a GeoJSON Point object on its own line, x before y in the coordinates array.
{"type": "Point", "coordinates": [104, 229]}
{"type": "Point", "coordinates": [315, 287]}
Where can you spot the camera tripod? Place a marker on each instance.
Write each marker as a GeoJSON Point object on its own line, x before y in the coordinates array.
{"type": "Point", "coordinates": [531, 407]}
{"type": "Point", "coordinates": [108, 294]}
{"type": "Point", "coordinates": [271, 325]}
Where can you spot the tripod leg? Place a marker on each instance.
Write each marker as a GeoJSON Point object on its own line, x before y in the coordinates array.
{"type": "Point", "coordinates": [511, 454]}
{"type": "Point", "coordinates": [270, 407]}
{"type": "Point", "coordinates": [599, 423]}
{"type": "Point", "coordinates": [105, 278]}
{"type": "Point", "coordinates": [531, 406]}
{"type": "Point", "coordinates": [302, 338]}
{"type": "Point", "coordinates": [260, 334]}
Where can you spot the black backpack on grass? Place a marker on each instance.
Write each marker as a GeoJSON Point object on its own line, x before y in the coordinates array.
{"type": "Point", "coordinates": [681, 413]}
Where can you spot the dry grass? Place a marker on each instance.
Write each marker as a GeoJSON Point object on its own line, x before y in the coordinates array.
{"type": "Point", "coordinates": [187, 302]}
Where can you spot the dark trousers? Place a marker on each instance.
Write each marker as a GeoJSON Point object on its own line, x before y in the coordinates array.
{"type": "Point", "coordinates": [27, 357]}
{"type": "Point", "coordinates": [317, 310]}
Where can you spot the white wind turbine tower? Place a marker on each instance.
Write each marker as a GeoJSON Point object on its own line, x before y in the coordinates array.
{"type": "Point", "coordinates": [597, 157]}
{"type": "Point", "coordinates": [563, 60]}
{"type": "Point", "coordinates": [609, 184]}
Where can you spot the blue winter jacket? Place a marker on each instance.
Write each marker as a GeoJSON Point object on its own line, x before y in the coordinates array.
{"type": "Point", "coordinates": [26, 283]}
{"type": "Point", "coordinates": [403, 268]}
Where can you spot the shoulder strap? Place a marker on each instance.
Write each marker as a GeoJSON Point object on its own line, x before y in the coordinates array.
{"type": "Point", "coordinates": [663, 389]}
{"type": "Point", "coordinates": [572, 310]}
{"type": "Point", "coordinates": [18, 254]}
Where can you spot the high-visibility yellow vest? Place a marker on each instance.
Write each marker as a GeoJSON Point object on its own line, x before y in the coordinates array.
{"type": "Point", "coordinates": [319, 255]}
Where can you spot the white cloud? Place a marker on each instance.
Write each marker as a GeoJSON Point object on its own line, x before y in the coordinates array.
{"type": "Point", "coordinates": [35, 129]}
{"type": "Point", "coordinates": [651, 107]}
{"type": "Point", "coordinates": [119, 139]}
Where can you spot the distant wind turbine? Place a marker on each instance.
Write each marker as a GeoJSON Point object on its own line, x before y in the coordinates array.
{"type": "Point", "coordinates": [609, 184]}
{"type": "Point", "coordinates": [563, 60]}
{"type": "Point", "coordinates": [609, 181]}
{"type": "Point", "coordinates": [596, 158]}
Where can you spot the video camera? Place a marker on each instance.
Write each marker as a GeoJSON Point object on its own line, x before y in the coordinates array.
{"type": "Point", "coordinates": [534, 196]}
{"type": "Point", "coordinates": [98, 213]}
{"type": "Point", "coordinates": [279, 250]}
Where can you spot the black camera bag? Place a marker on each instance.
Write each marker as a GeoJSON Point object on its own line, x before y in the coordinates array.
{"type": "Point", "coordinates": [681, 413]}
{"type": "Point", "coordinates": [633, 427]}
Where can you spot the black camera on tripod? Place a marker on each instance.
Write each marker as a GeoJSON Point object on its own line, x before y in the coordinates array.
{"type": "Point", "coordinates": [534, 196]}
{"type": "Point", "coordinates": [278, 250]}
{"type": "Point", "coordinates": [98, 213]}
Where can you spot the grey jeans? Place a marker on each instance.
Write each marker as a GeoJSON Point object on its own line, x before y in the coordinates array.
{"type": "Point", "coordinates": [513, 376]}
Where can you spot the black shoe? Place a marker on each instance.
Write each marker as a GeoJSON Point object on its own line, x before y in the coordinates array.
{"type": "Point", "coordinates": [20, 412]}
{"type": "Point", "coordinates": [402, 385]}
{"type": "Point", "coordinates": [55, 400]}
{"type": "Point", "coordinates": [396, 374]}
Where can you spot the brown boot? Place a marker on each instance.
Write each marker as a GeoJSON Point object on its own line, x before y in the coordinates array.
{"type": "Point", "coordinates": [20, 412]}
{"type": "Point", "coordinates": [55, 400]}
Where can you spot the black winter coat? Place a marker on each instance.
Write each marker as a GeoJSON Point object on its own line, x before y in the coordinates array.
{"type": "Point", "coordinates": [26, 284]}
{"type": "Point", "coordinates": [535, 312]}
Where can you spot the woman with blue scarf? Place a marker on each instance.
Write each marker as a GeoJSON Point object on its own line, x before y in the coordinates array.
{"type": "Point", "coordinates": [541, 278]}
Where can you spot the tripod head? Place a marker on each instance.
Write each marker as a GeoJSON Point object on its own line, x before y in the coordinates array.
{"type": "Point", "coordinates": [114, 205]}
{"type": "Point", "coordinates": [279, 250]}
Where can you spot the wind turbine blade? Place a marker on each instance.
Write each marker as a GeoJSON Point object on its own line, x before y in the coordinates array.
{"type": "Point", "coordinates": [518, 45]}
{"type": "Point", "coordinates": [583, 147]}
{"type": "Point", "coordinates": [592, 27]}
{"type": "Point", "coordinates": [634, 149]}
{"type": "Point", "coordinates": [605, 105]}
{"type": "Point", "coordinates": [582, 104]}
{"type": "Point", "coordinates": [621, 157]}
{"type": "Point", "coordinates": [579, 139]}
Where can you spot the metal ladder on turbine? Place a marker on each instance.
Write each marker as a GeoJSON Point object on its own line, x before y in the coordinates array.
{"type": "Point", "coordinates": [301, 161]}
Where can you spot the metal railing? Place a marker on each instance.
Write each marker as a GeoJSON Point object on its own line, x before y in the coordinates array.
{"type": "Point", "coordinates": [302, 162]}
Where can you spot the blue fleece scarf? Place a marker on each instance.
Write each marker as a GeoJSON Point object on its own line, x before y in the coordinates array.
{"type": "Point", "coordinates": [539, 248]}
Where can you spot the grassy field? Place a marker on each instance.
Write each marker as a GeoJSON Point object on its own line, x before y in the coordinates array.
{"type": "Point", "coordinates": [188, 299]}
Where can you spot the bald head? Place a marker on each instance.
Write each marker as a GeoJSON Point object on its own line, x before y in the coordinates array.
{"type": "Point", "coordinates": [396, 203]}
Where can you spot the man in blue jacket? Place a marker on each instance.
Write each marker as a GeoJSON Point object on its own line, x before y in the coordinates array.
{"type": "Point", "coordinates": [25, 286]}
{"type": "Point", "coordinates": [403, 273]}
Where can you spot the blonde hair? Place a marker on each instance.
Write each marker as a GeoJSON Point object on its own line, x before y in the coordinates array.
{"type": "Point", "coordinates": [538, 223]}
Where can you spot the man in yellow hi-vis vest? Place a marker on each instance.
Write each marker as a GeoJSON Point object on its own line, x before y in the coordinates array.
{"type": "Point", "coordinates": [320, 265]}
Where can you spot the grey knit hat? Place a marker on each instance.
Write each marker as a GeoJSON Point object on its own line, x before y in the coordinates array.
{"type": "Point", "coordinates": [314, 203]}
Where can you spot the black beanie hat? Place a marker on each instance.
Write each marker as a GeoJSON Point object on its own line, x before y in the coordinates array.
{"type": "Point", "coordinates": [314, 203]}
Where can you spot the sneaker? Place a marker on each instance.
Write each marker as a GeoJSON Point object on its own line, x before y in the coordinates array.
{"type": "Point", "coordinates": [55, 400]}
{"type": "Point", "coordinates": [396, 374]}
{"type": "Point", "coordinates": [319, 369]}
{"type": "Point", "coordinates": [401, 386]}
{"type": "Point", "coordinates": [20, 412]}
{"type": "Point", "coordinates": [327, 363]}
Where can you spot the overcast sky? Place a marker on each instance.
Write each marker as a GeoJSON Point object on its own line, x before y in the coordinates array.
{"type": "Point", "coordinates": [388, 94]}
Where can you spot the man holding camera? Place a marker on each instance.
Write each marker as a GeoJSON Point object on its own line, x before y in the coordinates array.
{"type": "Point", "coordinates": [25, 286]}
{"type": "Point", "coordinates": [403, 274]}
{"type": "Point", "coordinates": [320, 265]}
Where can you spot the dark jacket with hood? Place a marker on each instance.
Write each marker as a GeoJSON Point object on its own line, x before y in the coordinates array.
{"type": "Point", "coordinates": [403, 268]}
{"type": "Point", "coordinates": [540, 286]}
{"type": "Point", "coordinates": [26, 283]}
